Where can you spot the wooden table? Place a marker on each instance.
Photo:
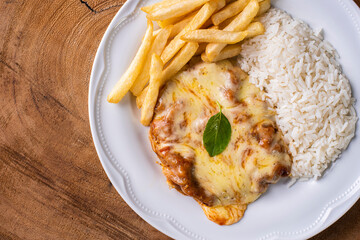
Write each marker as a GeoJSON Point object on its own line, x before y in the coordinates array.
{"type": "Point", "coordinates": [52, 183]}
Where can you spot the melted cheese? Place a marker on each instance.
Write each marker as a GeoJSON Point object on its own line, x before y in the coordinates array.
{"type": "Point", "coordinates": [240, 174]}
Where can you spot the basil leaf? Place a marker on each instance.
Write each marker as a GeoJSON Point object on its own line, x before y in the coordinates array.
{"type": "Point", "coordinates": [217, 134]}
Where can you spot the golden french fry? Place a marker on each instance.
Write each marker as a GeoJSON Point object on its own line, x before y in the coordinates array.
{"type": "Point", "coordinates": [255, 29]}
{"type": "Point", "coordinates": [128, 78]}
{"type": "Point", "coordinates": [179, 26]}
{"type": "Point", "coordinates": [147, 109]}
{"type": "Point", "coordinates": [229, 11]}
{"type": "Point", "coordinates": [220, 5]}
{"type": "Point", "coordinates": [198, 20]}
{"type": "Point", "coordinates": [264, 6]}
{"type": "Point", "coordinates": [156, 32]}
{"type": "Point", "coordinates": [181, 58]}
{"type": "Point", "coordinates": [207, 24]}
{"type": "Point", "coordinates": [175, 20]}
{"type": "Point", "coordinates": [204, 57]}
{"type": "Point", "coordinates": [214, 36]}
{"type": "Point", "coordinates": [226, 22]}
{"type": "Point", "coordinates": [240, 22]}
{"type": "Point", "coordinates": [256, 19]}
{"type": "Point", "coordinates": [169, 21]}
{"type": "Point", "coordinates": [214, 27]}
{"type": "Point", "coordinates": [176, 10]}
{"type": "Point", "coordinates": [157, 47]}
{"type": "Point", "coordinates": [159, 5]}
{"type": "Point", "coordinates": [200, 49]}
{"type": "Point", "coordinates": [228, 52]}
{"type": "Point", "coordinates": [244, 18]}
{"type": "Point", "coordinates": [141, 97]}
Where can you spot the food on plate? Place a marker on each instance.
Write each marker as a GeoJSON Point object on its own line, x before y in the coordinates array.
{"type": "Point", "coordinates": [129, 77]}
{"type": "Point", "coordinates": [152, 91]}
{"type": "Point", "coordinates": [254, 29]}
{"type": "Point", "coordinates": [229, 11]}
{"type": "Point", "coordinates": [228, 52]}
{"type": "Point", "coordinates": [304, 84]}
{"type": "Point", "coordinates": [179, 61]}
{"type": "Point", "coordinates": [180, 25]}
{"type": "Point", "coordinates": [255, 157]}
{"type": "Point", "coordinates": [198, 20]}
{"type": "Point", "coordinates": [141, 97]}
{"type": "Point", "coordinates": [175, 10]}
{"type": "Point", "coordinates": [201, 49]}
{"type": "Point", "coordinates": [224, 135]}
{"type": "Point", "coordinates": [240, 22]}
{"type": "Point", "coordinates": [159, 5]}
{"type": "Point", "coordinates": [176, 20]}
{"type": "Point", "coordinates": [175, 42]}
{"type": "Point", "coordinates": [217, 133]}
{"type": "Point", "coordinates": [263, 7]}
{"type": "Point", "coordinates": [214, 35]}
{"type": "Point", "coordinates": [156, 48]}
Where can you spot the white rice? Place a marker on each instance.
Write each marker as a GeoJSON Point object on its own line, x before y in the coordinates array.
{"type": "Point", "coordinates": [307, 89]}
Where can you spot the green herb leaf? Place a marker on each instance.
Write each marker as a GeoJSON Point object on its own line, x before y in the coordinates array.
{"type": "Point", "coordinates": [217, 134]}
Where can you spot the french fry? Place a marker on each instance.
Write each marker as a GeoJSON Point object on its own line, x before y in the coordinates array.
{"type": "Point", "coordinates": [198, 20]}
{"type": "Point", "coordinates": [214, 36]}
{"type": "Point", "coordinates": [255, 29]}
{"type": "Point", "coordinates": [141, 97]}
{"type": "Point", "coordinates": [181, 58]}
{"type": "Point", "coordinates": [147, 109]}
{"type": "Point", "coordinates": [176, 10]}
{"type": "Point", "coordinates": [214, 27]}
{"type": "Point", "coordinates": [264, 6]}
{"type": "Point", "coordinates": [156, 32]}
{"type": "Point", "coordinates": [204, 57]}
{"type": "Point", "coordinates": [200, 49]}
{"type": "Point", "coordinates": [169, 21]}
{"type": "Point", "coordinates": [220, 5]}
{"type": "Point", "coordinates": [157, 47]}
{"type": "Point", "coordinates": [256, 19]}
{"type": "Point", "coordinates": [241, 21]}
{"type": "Point", "coordinates": [226, 22]}
{"type": "Point", "coordinates": [228, 52]}
{"type": "Point", "coordinates": [175, 20]}
{"type": "Point", "coordinates": [159, 5]}
{"type": "Point", "coordinates": [245, 17]}
{"type": "Point", "coordinates": [128, 78]}
{"type": "Point", "coordinates": [229, 11]}
{"type": "Point", "coordinates": [207, 24]}
{"type": "Point", "coordinates": [179, 26]}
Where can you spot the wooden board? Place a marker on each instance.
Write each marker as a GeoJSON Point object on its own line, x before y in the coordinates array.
{"type": "Point", "coordinates": [52, 183]}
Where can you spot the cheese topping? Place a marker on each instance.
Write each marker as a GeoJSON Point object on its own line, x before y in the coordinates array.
{"type": "Point", "coordinates": [255, 156]}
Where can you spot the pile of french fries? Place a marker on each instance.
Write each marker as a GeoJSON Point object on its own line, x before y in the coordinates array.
{"type": "Point", "coordinates": [213, 29]}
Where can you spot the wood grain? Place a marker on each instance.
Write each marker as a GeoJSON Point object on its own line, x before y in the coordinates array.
{"type": "Point", "coordinates": [52, 182]}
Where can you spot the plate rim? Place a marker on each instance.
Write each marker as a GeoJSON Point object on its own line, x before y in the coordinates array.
{"type": "Point", "coordinates": [164, 222]}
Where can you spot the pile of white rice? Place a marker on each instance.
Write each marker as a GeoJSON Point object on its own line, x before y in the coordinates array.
{"type": "Point", "coordinates": [305, 86]}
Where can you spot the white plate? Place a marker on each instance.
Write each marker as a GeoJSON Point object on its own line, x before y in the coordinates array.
{"type": "Point", "coordinates": [282, 213]}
